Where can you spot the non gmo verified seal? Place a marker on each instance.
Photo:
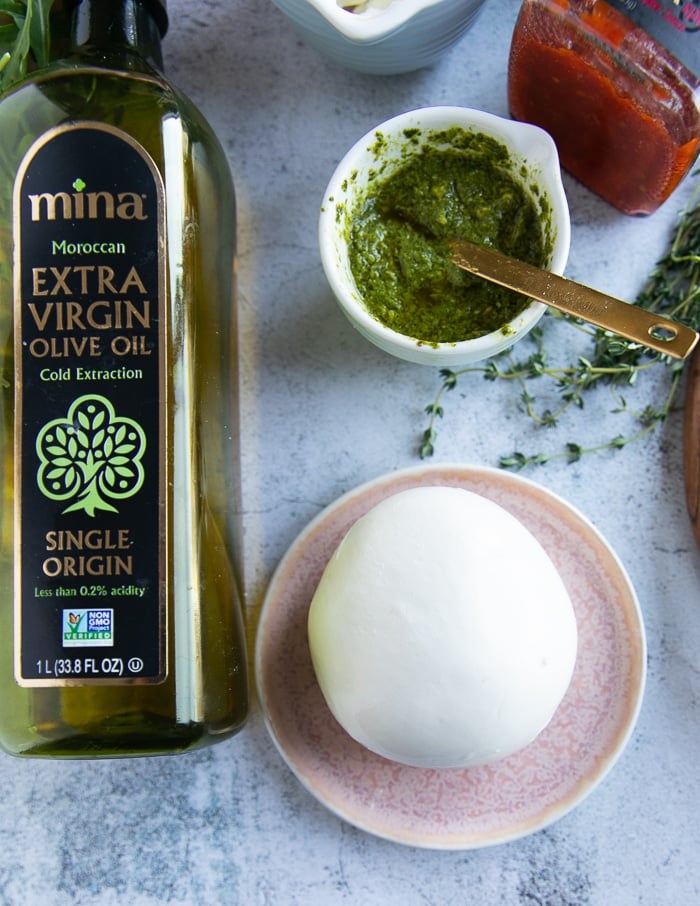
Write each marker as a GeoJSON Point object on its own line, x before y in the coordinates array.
{"type": "Point", "coordinates": [93, 628]}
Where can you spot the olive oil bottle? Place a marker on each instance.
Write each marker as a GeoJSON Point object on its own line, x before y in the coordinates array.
{"type": "Point", "coordinates": [120, 622]}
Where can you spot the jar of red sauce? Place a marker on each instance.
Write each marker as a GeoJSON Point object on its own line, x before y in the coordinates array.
{"type": "Point", "coordinates": [620, 105]}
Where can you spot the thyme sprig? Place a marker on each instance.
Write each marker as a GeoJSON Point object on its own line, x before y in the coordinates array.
{"type": "Point", "coordinates": [673, 289]}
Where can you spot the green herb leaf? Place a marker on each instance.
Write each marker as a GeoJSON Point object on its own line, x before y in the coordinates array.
{"type": "Point", "coordinates": [673, 289]}
{"type": "Point", "coordinates": [25, 38]}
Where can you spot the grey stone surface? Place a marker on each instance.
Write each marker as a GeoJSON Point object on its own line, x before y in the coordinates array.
{"type": "Point", "coordinates": [322, 412]}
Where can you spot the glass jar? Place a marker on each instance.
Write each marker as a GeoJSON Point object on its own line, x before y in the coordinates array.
{"type": "Point", "coordinates": [620, 105]}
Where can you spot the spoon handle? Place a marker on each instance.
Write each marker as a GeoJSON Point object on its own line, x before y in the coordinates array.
{"type": "Point", "coordinates": [628, 321]}
{"type": "Point", "coordinates": [691, 449]}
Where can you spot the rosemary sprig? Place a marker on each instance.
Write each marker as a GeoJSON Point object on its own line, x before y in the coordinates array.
{"type": "Point", "coordinates": [672, 289]}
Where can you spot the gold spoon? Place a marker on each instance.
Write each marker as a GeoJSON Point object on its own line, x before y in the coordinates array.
{"type": "Point", "coordinates": [691, 446]}
{"type": "Point", "coordinates": [629, 321]}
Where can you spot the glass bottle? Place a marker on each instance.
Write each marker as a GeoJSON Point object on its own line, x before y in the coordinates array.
{"type": "Point", "coordinates": [121, 628]}
{"type": "Point", "coordinates": [614, 84]}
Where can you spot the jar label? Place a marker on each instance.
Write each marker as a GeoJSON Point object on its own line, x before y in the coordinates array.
{"type": "Point", "coordinates": [91, 432]}
{"type": "Point", "coordinates": [673, 23]}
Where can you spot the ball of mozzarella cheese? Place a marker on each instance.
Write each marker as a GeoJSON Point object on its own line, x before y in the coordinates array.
{"type": "Point", "coordinates": [441, 633]}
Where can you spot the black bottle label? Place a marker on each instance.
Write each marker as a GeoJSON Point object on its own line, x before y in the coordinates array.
{"type": "Point", "coordinates": [91, 431]}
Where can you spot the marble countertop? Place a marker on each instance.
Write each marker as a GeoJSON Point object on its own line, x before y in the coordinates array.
{"type": "Point", "coordinates": [323, 411]}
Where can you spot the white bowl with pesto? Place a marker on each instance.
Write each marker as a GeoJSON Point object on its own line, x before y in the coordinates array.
{"type": "Point", "coordinates": [383, 37]}
{"type": "Point", "coordinates": [533, 163]}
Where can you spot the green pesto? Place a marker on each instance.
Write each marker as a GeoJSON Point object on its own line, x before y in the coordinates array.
{"type": "Point", "coordinates": [399, 229]}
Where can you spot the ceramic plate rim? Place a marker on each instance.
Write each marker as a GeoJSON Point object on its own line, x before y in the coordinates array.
{"type": "Point", "coordinates": [458, 472]}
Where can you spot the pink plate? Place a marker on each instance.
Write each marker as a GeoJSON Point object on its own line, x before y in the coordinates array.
{"type": "Point", "coordinates": [467, 807]}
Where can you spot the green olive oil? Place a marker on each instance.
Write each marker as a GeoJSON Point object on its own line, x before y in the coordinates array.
{"type": "Point", "coordinates": [120, 619]}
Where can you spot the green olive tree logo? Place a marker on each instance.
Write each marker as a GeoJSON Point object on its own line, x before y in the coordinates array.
{"type": "Point", "coordinates": [91, 456]}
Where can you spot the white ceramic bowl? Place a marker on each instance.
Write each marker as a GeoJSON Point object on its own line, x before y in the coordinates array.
{"type": "Point", "coordinates": [535, 162]}
{"type": "Point", "coordinates": [391, 36]}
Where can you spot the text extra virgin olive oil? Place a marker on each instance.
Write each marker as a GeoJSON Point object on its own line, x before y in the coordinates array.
{"type": "Point", "coordinates": [120, 622]}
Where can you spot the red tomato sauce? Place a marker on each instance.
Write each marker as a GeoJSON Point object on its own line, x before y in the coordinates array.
{"type": "Point", "coordinates": [618, 105]}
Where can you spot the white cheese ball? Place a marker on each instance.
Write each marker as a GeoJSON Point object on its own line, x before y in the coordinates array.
{"type": "Point", "coordinates": [441, 633]}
